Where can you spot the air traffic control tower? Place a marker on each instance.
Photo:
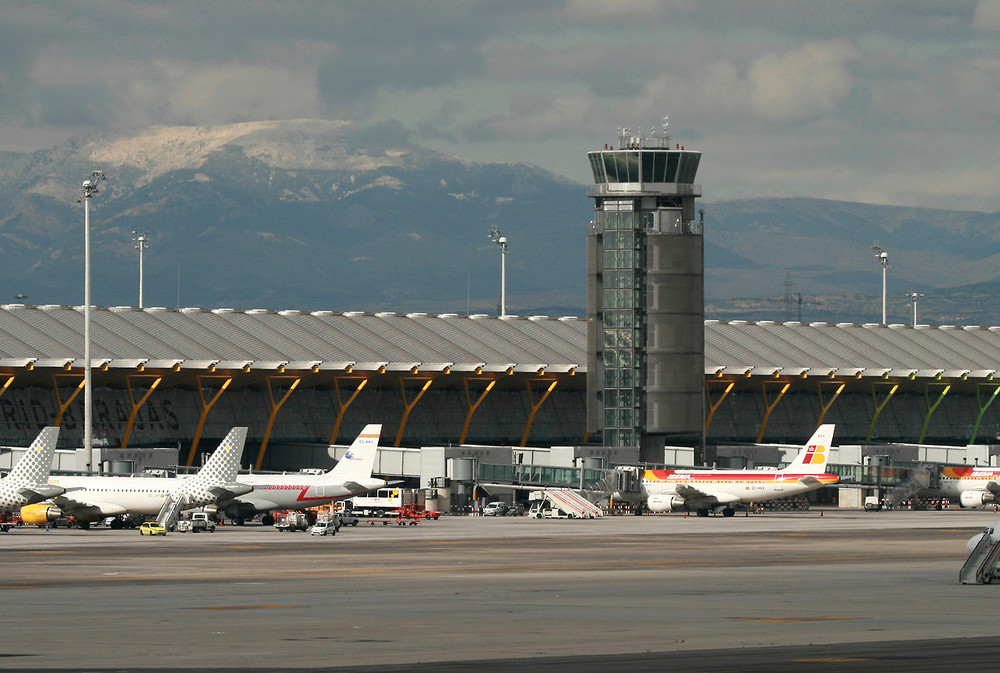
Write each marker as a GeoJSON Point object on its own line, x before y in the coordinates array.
{"type": "Point", "coordinates": [645, 297]}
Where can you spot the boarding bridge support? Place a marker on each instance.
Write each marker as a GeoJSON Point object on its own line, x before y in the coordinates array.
{"type": "Point", "coordinates": [981, 565]}
{"type": "Point", "coordinates": [919, 479]}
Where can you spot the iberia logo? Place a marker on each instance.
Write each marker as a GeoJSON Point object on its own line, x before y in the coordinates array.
{"type": "Point", "coordinates": [815, 454]}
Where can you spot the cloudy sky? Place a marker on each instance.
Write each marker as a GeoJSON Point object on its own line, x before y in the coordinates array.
{"type": "Point", "coordinates": [882, 101]}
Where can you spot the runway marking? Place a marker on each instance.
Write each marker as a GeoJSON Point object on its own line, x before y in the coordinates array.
{"type": "Point", "coordinates": [46, 551]}
{"type": "Point", "coordinates": [21, 586]}
{"type": "Point", "coordinates": [794, 619]}
{"type": "Point", "coordinates": [246, 607]}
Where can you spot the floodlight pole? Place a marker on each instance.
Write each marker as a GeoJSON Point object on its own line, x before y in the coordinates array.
{"type": "Point", "coordinates": [913, 297]}
{"type": "Point", "coordinates": [883, 257]}
{"type": "Point", "coordinates": [89, 189]}
{"type": "Point", "coordinates": [141, 243]}
{"type": "Point", "coordinates": [501, 240]}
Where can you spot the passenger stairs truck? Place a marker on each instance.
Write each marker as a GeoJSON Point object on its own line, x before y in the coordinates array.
{"type": "Point", "coordinates": [562, 503]}
{"type": "Point", "coordinates": [984, 553]}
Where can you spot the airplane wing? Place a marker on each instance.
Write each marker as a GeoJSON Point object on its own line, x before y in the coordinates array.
{"type": "Point", "coordinates": [703, 498]}
{"type": "Point", "coordinates": [230, 490]}
{"type": "Point", "coordinates": [84, 507]}
{"type": "Point", "coordinates": [689, 492]}
{"type": "Point", "coordinates": [40, 492]}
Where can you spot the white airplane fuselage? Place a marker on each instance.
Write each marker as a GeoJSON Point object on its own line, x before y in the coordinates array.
{"type": "Point", "coordinates": [298, 491]}
{"type": "Point", "coordinates": [111, 496]}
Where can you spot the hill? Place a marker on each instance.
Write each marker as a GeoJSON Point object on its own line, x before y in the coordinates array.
{"type": "Point", "coordinates": [327, 215]}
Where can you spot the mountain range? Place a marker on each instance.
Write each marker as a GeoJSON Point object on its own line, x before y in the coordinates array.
{"type": "Point", "coordinates": [328, 215]}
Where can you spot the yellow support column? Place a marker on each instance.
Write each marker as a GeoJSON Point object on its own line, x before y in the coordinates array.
{"type": "Point", "coordinates": [63, 406]}
{"type": "Point", "coordinates": [473, 405]}
{"type": "Point", "coordinates": [136, 407]}
{"type": "Point", "coordinates": [342, 406]}
{"type": "Point", "coordinates": [945, 387]}
{"type": "Point", "coordinates": [893, 387]}
{"type": "Point", "coordinates": [275, 406]}
{"type": "Point", "coordinates": [714, 406]}
{"type": "Point", "coordinates": [823, 408]}
{"type": "Point", "coordinates": [983, 407]}
{"type": "Point", "coordinates": [205, 408]}
{"type": "Point", "coordinates": [535, 407]}
{"type": "Point", "coordinates": [785, 385]}
{"type": "Point", "coordinates": [408, 406]}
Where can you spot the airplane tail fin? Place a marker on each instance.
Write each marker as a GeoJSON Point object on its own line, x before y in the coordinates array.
{"type": "Point", "coordinates": [359, 460]}
{"type": "Point", "coordinates": [814, 455]}
{"type": "Point", "coordinates": [34, 466]}
{"type": "Point", "coordinates": [223, 465]}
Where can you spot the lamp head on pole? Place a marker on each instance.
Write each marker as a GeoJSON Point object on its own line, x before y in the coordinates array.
{"type": "Point", "coordinates": [90, 185]}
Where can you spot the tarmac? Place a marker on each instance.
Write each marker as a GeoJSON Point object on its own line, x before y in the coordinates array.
{"type": "Point", "coordinates": [825, 590]}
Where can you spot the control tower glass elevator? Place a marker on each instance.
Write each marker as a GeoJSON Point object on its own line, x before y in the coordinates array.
{"type": "Point", "coordinates": [645, 297]}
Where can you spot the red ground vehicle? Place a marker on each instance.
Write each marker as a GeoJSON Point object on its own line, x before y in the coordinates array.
{"type": "Point", "coordinates": [409, 514]}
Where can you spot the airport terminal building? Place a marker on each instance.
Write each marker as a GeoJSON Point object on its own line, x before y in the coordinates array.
{"type": "Point", "coordinates": [304, 380]}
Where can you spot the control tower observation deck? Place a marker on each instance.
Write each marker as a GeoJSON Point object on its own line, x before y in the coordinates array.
{"type": "Point", "coordinates": [645, 296]}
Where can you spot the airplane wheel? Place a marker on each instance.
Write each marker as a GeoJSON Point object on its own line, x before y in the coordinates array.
{"type": "Point", "coordinates": [728, 511]}
{"type": "Point", "coordinates": [702, 512]}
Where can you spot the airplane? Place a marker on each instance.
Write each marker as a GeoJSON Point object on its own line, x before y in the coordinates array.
{"type": "Point", "coordinates": [89, 499]}
{"type": "Point", "coordinates": [26, 482]}
{"type": "Point", "coordinates": [971, 486]}
{"type": "Point", "coordinates": [351, 476]}
{"type": "Point", "coordinates": [704, 490]}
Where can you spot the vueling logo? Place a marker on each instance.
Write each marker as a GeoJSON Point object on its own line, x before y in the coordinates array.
{"type": "Point", "coordinates": [815, 454]}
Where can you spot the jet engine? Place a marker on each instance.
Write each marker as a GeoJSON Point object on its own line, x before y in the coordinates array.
{"type": "Point", "coordinates": [211, 510]}
{"type": "Point", "coordinates": [40, 515]}
{"type": "Point", "coordinates": [975, 498]}
{"type": "Point", "coordinates": [664, 503]}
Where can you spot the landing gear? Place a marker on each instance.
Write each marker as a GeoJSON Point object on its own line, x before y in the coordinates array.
{"type": "Point", "coordinates": [728, 511]}
{"type": "Point", "coordinates": [267, 520]}
{"type": "Point", "coordinates": [84, 525]}
{"type": "Point", "coordinates": [702, 512]}
{"type": "Point", "coordinates": [117, 524]}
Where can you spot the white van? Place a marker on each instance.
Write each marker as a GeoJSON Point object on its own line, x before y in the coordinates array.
{"type": "Point", "coordinates": [325, 527]}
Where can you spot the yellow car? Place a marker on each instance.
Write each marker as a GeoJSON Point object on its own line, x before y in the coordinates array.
{"type": "Point", "coordinates": [152, 528]}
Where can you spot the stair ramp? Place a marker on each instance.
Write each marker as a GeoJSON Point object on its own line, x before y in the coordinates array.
{"type": "Point", "coordinates": [171, 510]}
{"type": "Point", "coordinates": [982, 562]}
{"type": "Point", "coordinates": [919, 479]}
{"type": "Point", "coordinates": [574, 504]}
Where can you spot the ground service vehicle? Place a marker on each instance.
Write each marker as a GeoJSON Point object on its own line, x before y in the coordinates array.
{"type": "Point", "coordinates": [325, 527]}
{"type": "Point", "coordinates": [151, 528]}
{"type": "Point", "coordinates": [199, 522]}
{"type": "Point", "coordinates": [496, 508]}
{"type": "Point", "coordinates": [292, 521]}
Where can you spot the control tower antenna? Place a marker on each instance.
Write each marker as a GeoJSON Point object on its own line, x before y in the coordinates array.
{"type": "Point", "coordinates": [883, 257]}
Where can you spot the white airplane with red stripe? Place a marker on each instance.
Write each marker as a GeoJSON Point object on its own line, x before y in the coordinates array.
{"type": "Point", "coordinates": [702, 491]}
{"type": "Point", "coordinates": [351, 476]}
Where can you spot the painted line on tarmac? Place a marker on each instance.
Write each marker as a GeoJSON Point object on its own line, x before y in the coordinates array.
{"type": "Point", "coordinates": [794, 619]}
{"type": "Point", "coordinates": [246, 607]}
